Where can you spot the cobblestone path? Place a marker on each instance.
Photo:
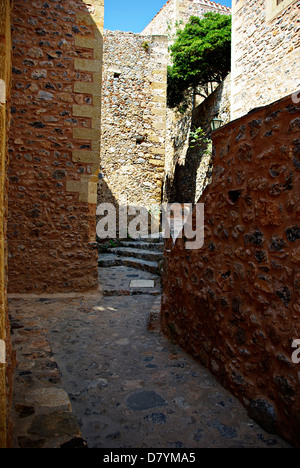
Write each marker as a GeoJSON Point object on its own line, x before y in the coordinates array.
{"type": "Point", "coordinates": [90, 367]}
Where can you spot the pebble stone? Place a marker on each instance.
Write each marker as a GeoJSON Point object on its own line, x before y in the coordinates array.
{"type": "Point", "coordinates": [127, 385]}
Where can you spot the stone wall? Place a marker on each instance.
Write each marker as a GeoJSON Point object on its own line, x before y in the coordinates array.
{"type": "Point", "coordinates": [5, 346]}
{"type": "Point", "coordinates": [235, 303]}
{"type": "Point", "coordinates": [265, 53]}
{"type": "Point", "coordinates": [54, 145]}
{"type": "Point", "coordinates": [133, 119]}
{"type": "Point", "coordinates": [177, 145]}
{"type": "Point", "coordinates": [177, 12]}
{"type": "Point", "coordinates": [189, 168]}
{"type": "Point", "coordinates": [188, 8]}
{"type": "Point", "coordinates": [164, 20]}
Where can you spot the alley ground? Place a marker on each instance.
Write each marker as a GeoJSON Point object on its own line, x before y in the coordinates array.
{"type": "Point", "coordinates": [90, 367]}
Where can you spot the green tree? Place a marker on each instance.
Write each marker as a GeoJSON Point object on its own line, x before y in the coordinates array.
{"type": "Point", "coordinates": [201, 56]}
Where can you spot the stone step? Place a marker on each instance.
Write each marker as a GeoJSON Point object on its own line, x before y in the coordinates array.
{"type": "Point", "coordinates": [125, 281]}
{"type": "Point", "coordinates": [152, 238]}
{"type": "Point", "coordinates": [144, 245]}
{"type": "Point", "coordinates": [110, 260]}
{"type": "Point", "coordinates": [148, 255]}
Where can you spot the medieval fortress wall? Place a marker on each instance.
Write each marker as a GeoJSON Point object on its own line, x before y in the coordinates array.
{"type": "Point", "coordinates": [137, 128]}
{"type": "Point", "coordinates": [133, 118]}
{"type": "Point", "coordinates": [177, 12]}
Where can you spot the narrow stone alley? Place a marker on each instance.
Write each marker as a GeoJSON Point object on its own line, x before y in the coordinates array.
{"type": "Point", "coordinates": [95, 371]}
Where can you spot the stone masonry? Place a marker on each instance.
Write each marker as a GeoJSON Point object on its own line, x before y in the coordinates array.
{"type": "Point", "coordinates": [133, 119]}
{"type": "Point", "coordinates": [54, 145]}
{"type": "Point", "coordinates": [265, 53]}
{"type": "Point", "coordinates": [5, 347]}
{"type": "Point", "coordinates": [186, 173]}
{"type": "Point", "coordinates": [137, 128]}
{"type": "Point", "coordinates": [234, 303]}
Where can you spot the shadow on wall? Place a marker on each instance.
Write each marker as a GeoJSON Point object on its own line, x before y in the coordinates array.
{"type": "Point", "coordinates": [188, 178]}
{"type": "Point", "coordinates": [191, 178]}
{"type": "Point", "coordinates": [105, 195]}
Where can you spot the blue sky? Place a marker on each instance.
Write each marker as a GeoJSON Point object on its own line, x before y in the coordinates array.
{"type": "Point", "coordinates": [134, 15]}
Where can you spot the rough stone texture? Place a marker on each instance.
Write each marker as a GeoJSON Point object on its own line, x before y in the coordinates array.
{"type": "Point", "coordinates": [128, 385]}
{"type": "Point", "coordinates": [177, 12]}
{"type": "Point", "coordinates": [265, 53]}
{"type": "Point", "coordinates": [42, 413]}
{"type": "Point", "coordinates": [188, 171]}
{"type": "Point", "coordinates": [6, 361]}
{"type": "Point", "coordinates": [133, 119]}
{"type": "Point", "coordinates": [54, 145]}
{"type": "Point", "coordinates": [234, 304]}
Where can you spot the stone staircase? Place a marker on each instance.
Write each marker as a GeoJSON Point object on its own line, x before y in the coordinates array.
{"type": "Point", "coordinates": [141, 254]}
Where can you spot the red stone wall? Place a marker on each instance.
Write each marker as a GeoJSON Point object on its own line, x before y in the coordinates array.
{"type": "Point", "coordinates": [234, 304]}
{"type": "Point", "coordinates": [54, 145]}
{"type": "Point", "coordinates": [6, 355]}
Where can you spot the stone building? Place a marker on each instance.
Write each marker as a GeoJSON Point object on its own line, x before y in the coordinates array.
{"type": "Point", "coordinates": [234, 305]}
{"type": "Point", "coordinates": [176, 13]}
{"type": "Point", "coordinates": [50, 155]}
{"type": "Point", "coordinates": [265, 53]}
{"type": "Point", "coordinates": [138, 151]}
{"type": "Point", "coordinates": [133, 119]}
{"type": "Point", "coordinates": [54, 145]}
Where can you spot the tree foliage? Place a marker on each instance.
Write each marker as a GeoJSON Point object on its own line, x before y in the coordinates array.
{"type": "Point", "coordinates": [201, 55]}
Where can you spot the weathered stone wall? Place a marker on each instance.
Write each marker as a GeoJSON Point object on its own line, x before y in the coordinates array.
{"type": "Point", "coordinates": [235, 303]}
{"type": "Point", "coordinates": [188, 8]}
{"type": "Point", "coordinates": [176, 13]}
{"type": "Point", "coordinates": [5, 346]}
{"type": "Point", "coordinates": [164, 21]}
{"type": "Point", "coordinates": [54, 145]}
{"type": "Point", "coordinates": [188, 171]}
{"type": "Point", "coordinates": [177, 145]}
{"type": "Point", "coordinates": [265, 53]}
{"type": "Point", "coordinates": [133, 119]}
